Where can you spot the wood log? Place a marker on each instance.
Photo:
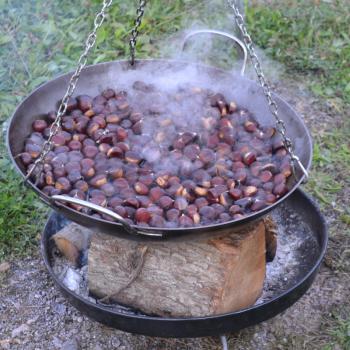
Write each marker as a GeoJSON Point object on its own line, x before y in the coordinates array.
{"type": "Point", "coordinates": [182, 278]}
{"type": "Point", "coordinates": [72, 240]}
{"type": "Point", "coordinates": [271, 238]}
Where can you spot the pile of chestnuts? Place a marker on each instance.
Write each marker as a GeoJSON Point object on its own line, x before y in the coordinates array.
{"type": "Point", "coordinates": [156, 165]}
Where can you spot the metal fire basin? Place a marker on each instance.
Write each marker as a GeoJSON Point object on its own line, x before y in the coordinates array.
{"type": "Point", "coordinates": [298, 217]}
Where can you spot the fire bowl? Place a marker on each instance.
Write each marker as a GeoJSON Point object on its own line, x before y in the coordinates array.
{"type": "Point", "coordinates": [302, 242]}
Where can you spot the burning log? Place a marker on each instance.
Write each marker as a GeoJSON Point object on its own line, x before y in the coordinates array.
{"type": "Point", "coordinates": [204, 276]}
{"type": "Point", "coordinates": [72, 240]}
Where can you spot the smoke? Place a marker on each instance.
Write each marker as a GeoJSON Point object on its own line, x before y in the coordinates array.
{"type": "Point", "coordinates": [204, 48]}
{"type": "Point", "coordinates": [155, 87]}
{"type": "Point", "coordinates": [167, 111]}
{"type": "Point", "coordinates": [201, 49]}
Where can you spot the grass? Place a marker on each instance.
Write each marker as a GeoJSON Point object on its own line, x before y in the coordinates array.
{"type": "Point", "coordinates": [337, 327]}
{"type": "Point", "coordinates": [341, 333]}
{"type": "Point", "coordinates": [331, 156]}
{"type": "Point", "coordinates": [41, 39]}
{"type": "Point", "coordinates": [21, 214]}
{"type": "Point", "coordinates": [311, 38]}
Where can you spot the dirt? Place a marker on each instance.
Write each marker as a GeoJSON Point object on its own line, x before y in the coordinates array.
{"type": "Point", "coordinates": [34, 315]}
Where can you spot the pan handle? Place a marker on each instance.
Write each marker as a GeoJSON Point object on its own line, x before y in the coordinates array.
{"type": "Point", "coordinates": [102, 210]}
{"type": "Point", "coordinates": [220, 33]}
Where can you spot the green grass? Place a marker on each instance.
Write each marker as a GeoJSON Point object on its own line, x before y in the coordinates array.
{"type": "Point", "coordinates": [42, 39]}
{"type": "Point", "coordinates": [341, 333]}
{"type": "Point", "coordinates": [21, 214]}
{"type": "Point", "coordinates": [331, 169]}
{"type": "Point", "coordinates": [331, 163]}
{"type": "Point", "coordinates": [337, 327]}
{"type": "Point", "coordinates": [39, 40]}
{"type": "Point", "coordinates": [311, 38]}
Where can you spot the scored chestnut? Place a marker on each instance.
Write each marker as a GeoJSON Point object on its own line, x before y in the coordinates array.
{"type": "Point", "coordinates": [141, 188]}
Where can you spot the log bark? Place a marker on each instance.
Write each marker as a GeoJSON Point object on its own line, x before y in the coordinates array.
{"type": "Point", "coordinates": [181, 278]}
{"type": "Point", "coordinates": [271, 238]}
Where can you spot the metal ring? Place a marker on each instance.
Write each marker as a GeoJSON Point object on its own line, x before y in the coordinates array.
{"type": "Point", "coordinates": [226, 35]}
{"type": "Point", "coordinates": [102, 210]}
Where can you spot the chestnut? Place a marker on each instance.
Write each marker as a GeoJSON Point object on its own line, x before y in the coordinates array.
{"type": "Point", "coordinates": [180, 203]}
{"type": "Point", "coordinates": [166, 202]}
{"type": "Point", "coordinates": [39, 125]}
{"type": "Point", "coordinates": [26, 158]}
{"type": "Point", "coordinates": [142, 215]}
{"type": "Point", "coordinates": [185, 221]}
{"type": "Point", "coordinates": [173, 215]}
{"type": "Point", "coordinates": [63, 184]}
{"type": "Point", "coordinates": [84, 102]}
{"type": "Point", "coordinates": [141, 188]}
{"type": "Point", "coordinates": [207, 212]}
{"type": "Point", "coordinates": [98, 180]}
{"type": "Point", "coordinates": [156, 193]}
{"type": "Point", "coordinates": [235, 193]}
{"type": "Point", "coordinates": [151, 168]}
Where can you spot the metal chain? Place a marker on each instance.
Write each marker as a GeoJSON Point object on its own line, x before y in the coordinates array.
{"type": "Point", "coordinates": [135, 31]}
{"type": "Point", "coordinates": [280, 125]}
{"type": "Point", "coordinates": [56, 125]}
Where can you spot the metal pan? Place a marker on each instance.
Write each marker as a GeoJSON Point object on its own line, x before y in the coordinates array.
{"type": "Point", "coordinates": [95, 78]}
{"type": "Point", "coordinates": [284, 295]}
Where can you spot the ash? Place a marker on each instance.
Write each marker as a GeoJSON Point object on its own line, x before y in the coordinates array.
{"type": "Point", "coordinates": [72, 277]}
{"type": "Point", "coordinates": [75, 279]}
{"type": "Point", "coordinates": [297, 250]}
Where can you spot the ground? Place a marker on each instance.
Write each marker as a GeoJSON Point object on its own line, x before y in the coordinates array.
{"type": "Point", "coordinates": [311, 42]}
{"type": "Point", "coordinates": [31, 302]}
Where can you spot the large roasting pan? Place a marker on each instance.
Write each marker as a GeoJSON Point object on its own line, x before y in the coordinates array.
{"type": "Point", "coordinates": [117, 74]}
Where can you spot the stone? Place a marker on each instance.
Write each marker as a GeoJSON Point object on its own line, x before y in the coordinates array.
{"type": "Point", "coordinates": [72, 280]}
{"type": "Point", "coordinates": [57, 343]}
{"type": "Point", "coordinates": [19, 330]}
{"type": "Point", "coordinates": [32, 320]}
{"type": "Point", "coordinates": [4, 267]}
{"type": "Point", "coordinates": [5, 343]}
{"type": "Point", "coordinates": [71, 344]}
{"type": "Point", "coordinates": [60, 309]}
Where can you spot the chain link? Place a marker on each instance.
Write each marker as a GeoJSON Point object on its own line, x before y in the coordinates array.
{"type": "Point", "coordinates": [280, 125]}
{"type": "Point", "coordinates": [135, 31]}
{"type": "Point", "coordinates": [56, 126]}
